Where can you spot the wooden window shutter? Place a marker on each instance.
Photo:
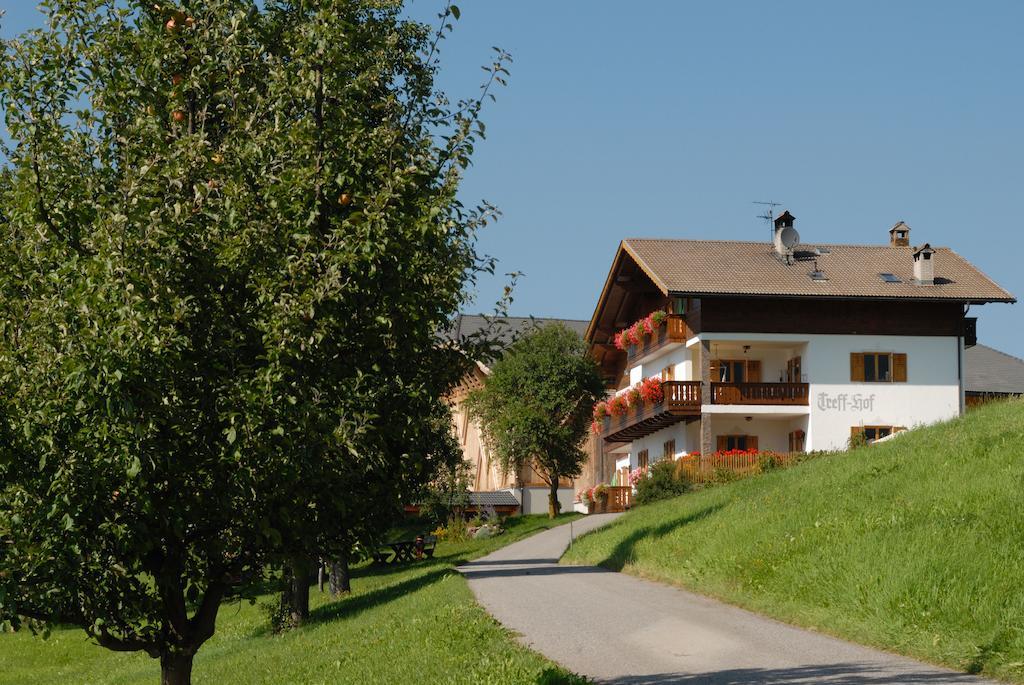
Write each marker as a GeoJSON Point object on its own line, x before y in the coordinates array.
{"type": "Point", "coordinates": [899, 367]}
{"type": "Point", "coordinates": [723, 443]}
{"type": "Point", "coordinates": [752, 443]}
{"type": "Point", "coordinates": [856, 366]}
{"type": "Point", "coordinates": [753, 370]}
{"type": "Point", "coordinates": [716, 371]}
{"type": "Point", "coordinates": [856, 430]}
{"type": "Point", "coordinates": [668, 373]}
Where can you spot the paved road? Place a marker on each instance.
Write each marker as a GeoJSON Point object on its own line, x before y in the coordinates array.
{"type": "Point", "coordinates": [616, 628]}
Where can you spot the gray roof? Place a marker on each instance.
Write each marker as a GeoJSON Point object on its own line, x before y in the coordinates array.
{"type": "Point", "coordinates": [496, 498]}
{"type": "Point", "coordinates": [508, 327]}
{"type": "Point", "coordinates": [990, 371]}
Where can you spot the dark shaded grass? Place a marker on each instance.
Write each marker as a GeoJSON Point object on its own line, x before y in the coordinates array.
{"type": "Point", "coordinates": [413, 623]}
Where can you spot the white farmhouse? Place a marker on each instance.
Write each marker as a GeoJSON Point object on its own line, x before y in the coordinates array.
{"type": "Point", "coordinates": [779, 346]}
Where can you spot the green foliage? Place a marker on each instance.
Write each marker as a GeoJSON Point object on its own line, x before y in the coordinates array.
{"type": "Point", "coordinates": [448, 492]}
{"type": "Point", "coordinates": [229, 239]}
{"type": "Point", "coordinates": [535, 407]}
{"type": "Point", "coordinates": [913, 545]}
{"type": "Point", "coordinates": [663, 480]}
{"type": "Point", "coordinates": [416, 623]}
{"type": "Point", "coordinates": [857, 440]}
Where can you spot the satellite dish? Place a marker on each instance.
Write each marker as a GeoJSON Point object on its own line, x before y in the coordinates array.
{"type": "Point", "coordinates": [789, 238]}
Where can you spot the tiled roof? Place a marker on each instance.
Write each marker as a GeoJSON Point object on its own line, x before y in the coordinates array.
{"type": "Point", "coordinates": [753, 268]}
{"type": "Point", "coordinates": [508, 327]}
{"type": "Point", "coordinates": [496, 498]}
{"type": "Point", "coordinates": [990, 371]}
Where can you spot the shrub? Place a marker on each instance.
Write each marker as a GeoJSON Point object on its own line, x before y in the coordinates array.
{"type": "Point", "coordinates": [661, 483]}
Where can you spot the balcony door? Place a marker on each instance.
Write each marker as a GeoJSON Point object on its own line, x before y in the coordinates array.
{"type": "Point", "coordinates": [735, 370]}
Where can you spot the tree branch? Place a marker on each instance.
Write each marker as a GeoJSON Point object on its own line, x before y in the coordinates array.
{"type": "Point", "coordinates": [122, 644]}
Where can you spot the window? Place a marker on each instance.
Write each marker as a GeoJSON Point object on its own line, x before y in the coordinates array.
{"type": "Point", "coordinates": [878, 367]}
{"type": "Point", "coordinates": [668, 373]}
{"type": "Point", "coordinates": [668, 449]}
{"type": "Point", "coordinates": [796, 441]}
{"type": "Point", "coordinates": [728, 443]}
{"type": "Point", "coordinates": [641, 459]}
{"type": "Point", "coordinates": [679, 305]}
{"type": "Point", "coordinates": [872, 433]}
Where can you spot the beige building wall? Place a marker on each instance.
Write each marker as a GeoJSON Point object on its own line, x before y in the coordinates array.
{"type": "Point", "coordinates": [486, 473]}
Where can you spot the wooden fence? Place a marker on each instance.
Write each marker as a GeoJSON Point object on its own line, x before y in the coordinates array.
{"type": "Point", "coordinates": [729, 465]}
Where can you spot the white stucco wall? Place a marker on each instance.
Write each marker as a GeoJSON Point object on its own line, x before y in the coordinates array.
{"type": "Point", "coordinates": [676, 356]}
{"type": "Point", "coordinates": [535, 500]}
{"type": "Point", "coordinates": [932, 392]}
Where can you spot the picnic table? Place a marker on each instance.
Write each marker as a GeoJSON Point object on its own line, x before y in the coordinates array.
{"type": "Point", "coordinates": [406, 550]}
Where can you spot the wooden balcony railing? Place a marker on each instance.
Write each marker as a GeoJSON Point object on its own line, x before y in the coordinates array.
{"type": "Point", "coordinates": [759, 393]}
{"type": "Point", "coordinates": [674, 331]}
{"type": "Point", "coordinates": [620, 498]}
{"type": "Point", "coordinates": [681, 401]}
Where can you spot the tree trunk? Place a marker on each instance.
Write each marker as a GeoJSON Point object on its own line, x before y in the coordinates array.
{"type": "Point", "coordinates": [340, 581]}
{"type": "Point", "coordinates": [553, 505]}
{"type": "Point", "coordinates": [176, 669]}
{"type": "Point", "coordinates": [297, 591]}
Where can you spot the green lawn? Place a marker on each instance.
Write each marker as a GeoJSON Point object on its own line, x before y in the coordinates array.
{"type": "Point", "coordinates": [915, 545]}
{"type": "Point", "coordinates": [409, 624]}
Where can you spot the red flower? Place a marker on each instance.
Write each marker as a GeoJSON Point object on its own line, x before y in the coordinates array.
{"type": "Point", "coordinates": [635, 333]}
{"type": "Point", "coordinates": [617, 405]}
{"type": "Point", "coordinates": [651, 391]}
{"type": "Point", "coordinates": [633, 396]}
{"type": "Point", "coordinates": [620, 340]}
{"type": "Point", "coordinates": [600, 410]}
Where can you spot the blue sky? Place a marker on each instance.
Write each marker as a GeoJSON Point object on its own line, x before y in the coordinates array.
{"type": "Point", "coordinates": [669, 119]}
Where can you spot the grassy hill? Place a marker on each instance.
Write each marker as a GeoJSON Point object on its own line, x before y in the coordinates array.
{"type": "Point", "coordinates": [915, 545]}
{"type": "Point", "coordinates": [413, 623]}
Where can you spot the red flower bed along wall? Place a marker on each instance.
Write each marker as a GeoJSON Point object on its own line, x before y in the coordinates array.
{"type": "Point", "coordinates": [647, 391]}
{"type": "Point", "coordinates": [635, 334]}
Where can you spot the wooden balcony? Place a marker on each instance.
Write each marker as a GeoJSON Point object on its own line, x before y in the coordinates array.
{"type": "Point", "coordinates": [674, 331]}
{"type": "Point", "coordinates": [681, 403]}
{"type": "Point", "coordinates": [760, 393]}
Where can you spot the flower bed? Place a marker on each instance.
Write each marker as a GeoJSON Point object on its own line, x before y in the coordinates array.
{"type": "Point", "coordinates": [640, 330]}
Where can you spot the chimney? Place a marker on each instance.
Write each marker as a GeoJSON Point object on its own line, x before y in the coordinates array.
{"type": "Point", "coordinates": [924, 265]}
{"type": "Point", "coordinates": [899, 235]}
{"type": "Point", "coordinates": [785, 235]}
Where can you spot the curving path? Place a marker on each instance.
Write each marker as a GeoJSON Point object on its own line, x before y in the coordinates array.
{"type": "Point", "coordinates": [617, 628]}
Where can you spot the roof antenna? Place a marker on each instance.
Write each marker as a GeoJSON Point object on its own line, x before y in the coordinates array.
{"type": "Point", "coordinates": [769, 215]}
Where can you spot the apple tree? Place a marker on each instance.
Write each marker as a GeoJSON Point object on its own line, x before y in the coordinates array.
{"type": "Point", "coordinates": [229, 240]}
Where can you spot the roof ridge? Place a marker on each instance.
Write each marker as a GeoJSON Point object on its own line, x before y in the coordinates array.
{"type": "Point", "coordinates": [769, 245]}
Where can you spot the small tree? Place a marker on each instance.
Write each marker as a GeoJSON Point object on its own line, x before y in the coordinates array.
{"type": "Point", "coordinates": [535, 407]}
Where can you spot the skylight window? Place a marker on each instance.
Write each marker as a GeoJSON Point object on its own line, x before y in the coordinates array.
{"type": "Point", "coordinates": [818, 276]}
{"type": "Point", "coordinates": [890, 278]}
